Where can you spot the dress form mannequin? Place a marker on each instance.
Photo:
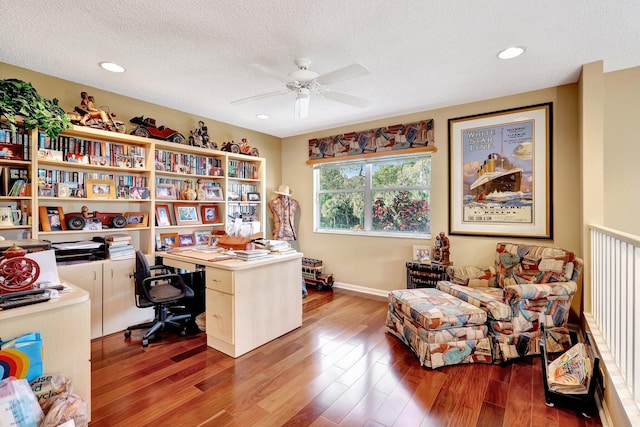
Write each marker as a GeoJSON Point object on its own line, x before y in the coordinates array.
{"type": "Point", "coordinates": [283, 209]}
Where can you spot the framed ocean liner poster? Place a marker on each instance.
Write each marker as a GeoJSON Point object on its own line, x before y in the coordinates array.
{"type": "Point", "coordinates": [500, 173]}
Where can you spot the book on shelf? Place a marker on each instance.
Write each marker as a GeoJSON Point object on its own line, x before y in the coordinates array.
{"type": "Point", "coordinates": [571, 372]}
{"type": "Point", "coordinates": [117, 237]}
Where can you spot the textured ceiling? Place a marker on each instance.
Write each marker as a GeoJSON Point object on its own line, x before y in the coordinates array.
{"type": "Point", "coordinates": [193, 55]}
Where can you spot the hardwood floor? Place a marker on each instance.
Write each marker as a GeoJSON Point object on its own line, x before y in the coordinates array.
{"type": "Point", "coordinates": [340, 368]}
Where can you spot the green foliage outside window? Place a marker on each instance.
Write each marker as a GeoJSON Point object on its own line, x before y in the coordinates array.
{"type": "Point", "coordinates": [376, 196]}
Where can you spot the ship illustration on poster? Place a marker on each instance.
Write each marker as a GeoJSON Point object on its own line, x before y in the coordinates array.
{"type": "Point", "coordinates": [498, 174]}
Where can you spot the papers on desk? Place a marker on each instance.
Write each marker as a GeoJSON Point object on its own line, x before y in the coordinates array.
{"type": "Point", "coordinates": [48, 269]}
{"type": "Point", "coordinates": [85, 244]}
{"type": "Point", "coordinates": [204, 256]}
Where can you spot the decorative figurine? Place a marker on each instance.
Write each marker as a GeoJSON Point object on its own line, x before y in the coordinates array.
{"type": "Point", "coordinates": [200, 137]}
{"type": "Point", "coordinates": [87, 114]}
{"type": "Point", "coordinates": [440, 253]}
{"type": "Point", "coordinates": [147, 129]}
{"type": "Point", "coordinates": [200, 193]}
{"type": "Point", "coordinates": [242, 148]}
{"type": "Point", "coordinates": [188, 193]}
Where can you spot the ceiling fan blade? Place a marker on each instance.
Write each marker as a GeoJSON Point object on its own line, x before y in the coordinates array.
{"type": "Point", "coordinates": [342, 74]}
{"type": "Point", "coordinates": [345, 98]}
{"type": "Point", "coordinates": [262, 96]}
{"type": "Point", "coordinates": [275, 74]}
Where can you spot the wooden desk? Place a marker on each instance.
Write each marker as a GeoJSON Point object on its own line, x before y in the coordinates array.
{"type": "Point", "coordinates": [248, 303]}
{"type": "Point", "coordinates": [64, 324]}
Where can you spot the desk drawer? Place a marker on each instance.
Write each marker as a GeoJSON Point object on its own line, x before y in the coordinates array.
{"type": "Point", "coordinates": [189, 266]}
{"type": "Point", "coordinates": [219, 280]}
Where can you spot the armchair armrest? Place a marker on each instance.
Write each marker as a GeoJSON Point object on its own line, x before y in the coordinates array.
{"type": "Point", "coordinates": [472, 276]}
{"type": "Point", "coordinates": [540, 290]}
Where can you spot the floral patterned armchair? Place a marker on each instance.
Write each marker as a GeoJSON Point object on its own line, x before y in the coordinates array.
{"type": "Point", "coordinates": [527, 286]}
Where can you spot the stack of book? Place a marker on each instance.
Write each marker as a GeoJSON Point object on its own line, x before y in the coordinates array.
{"type": "Point", "coordinates": [250, 255]}
{"type": "Point", "coordinates": [279, 247]}
{"type": "Point", "coordinates": [119, 246]}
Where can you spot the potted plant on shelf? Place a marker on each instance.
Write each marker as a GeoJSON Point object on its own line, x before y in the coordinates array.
{"type": "Point", "coordinates": [19, 101]}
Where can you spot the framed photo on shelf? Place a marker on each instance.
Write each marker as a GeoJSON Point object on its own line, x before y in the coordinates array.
{"type": "Point", "coordinates": [201, 237]}
{"type": "Point", "coordinates": [136, 219]}
{"type": "Point", "coordinates": [52, 218]}
{"type": "Point", "coordinates": [422, 253]}
{"type": "Point", "coordinates": [186, 240]}
{"type": "Point", "coordinates": [93, 224]}
{"type": "Point", "coordinates": [63, 189]}
{"type": "Point", "coordinates": [186, 213]}
{"type": "Point", "coordinates": [138, 193]}
{"type": "Point", "coordinates": [163, 216]}
{"type": "Point", "coordinates": [100, 189]}
{"type": "Point", "coordinates": [214, 193]}
{"type": "Point", "coordinates": [210, 214]}
{"type": "Point", "coordinates": [169, 240]}
{"type": "Point", "coordinates": [500, 173]}
{"type": "Point", "coordinates": [166, 192]}
{"type": "Point", "coordinates": [253, 197]}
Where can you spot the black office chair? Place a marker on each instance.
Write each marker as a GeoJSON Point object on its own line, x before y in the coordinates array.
{"type": "Point", "coordinates": [159, 287]}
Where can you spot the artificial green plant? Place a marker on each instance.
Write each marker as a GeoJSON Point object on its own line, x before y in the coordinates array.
{"type": "Point", "coordinates": [20, 101]}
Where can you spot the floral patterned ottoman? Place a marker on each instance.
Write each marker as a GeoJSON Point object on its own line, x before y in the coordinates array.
{"type": "Point", "coordinates": [439, 328]}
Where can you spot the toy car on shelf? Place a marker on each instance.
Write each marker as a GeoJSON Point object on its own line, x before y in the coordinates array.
{"type": "Point", "coordinates": [241, 148]}
{"type": "Point", "coordinates": [146, 128]}
{"type": "Point", "coordinates": [78, 220]}
{"type": "Point", "coordinates": [312, 273]}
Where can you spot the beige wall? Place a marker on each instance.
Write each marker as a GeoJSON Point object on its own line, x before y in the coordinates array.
{"type": "Point", "coordinates": [68, 95]}
{"type": "Point", "coordinates": [378, 262]}
{"type": "Point", "coordinates": [621, 150]}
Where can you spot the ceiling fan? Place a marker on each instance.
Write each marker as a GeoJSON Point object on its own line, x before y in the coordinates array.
{"type": "Point", "coordinates": [304, 82]}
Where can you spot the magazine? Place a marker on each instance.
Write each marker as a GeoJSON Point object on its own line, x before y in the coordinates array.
{"type": "Point", "coordinates": [570, 373]}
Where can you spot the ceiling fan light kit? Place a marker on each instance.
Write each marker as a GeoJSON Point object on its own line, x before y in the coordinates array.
{"type": "Point", "coordinates": [301, 106]}
{"type": "Point", "coordinates": [305, 82]}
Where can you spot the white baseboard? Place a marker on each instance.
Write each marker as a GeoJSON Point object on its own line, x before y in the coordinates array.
{"type": "Point", "coordinates": [361, 289]}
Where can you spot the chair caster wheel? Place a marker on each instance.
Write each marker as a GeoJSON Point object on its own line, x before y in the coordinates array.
{"type": "Point", "coordinates": [145, 342]}
{"type": "Point", "coordinates": [550, 404]}
{"type": "Point", "coordinates": [183, 333]}
{"type": "Point", "coordinates": [127, 334]}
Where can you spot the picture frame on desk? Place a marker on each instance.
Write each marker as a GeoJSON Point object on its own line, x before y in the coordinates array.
{"type": "Point", "coordinates": [163, 216]}
{"type": "Point", "coordinates": [210, 214]}
{"type": "Point", "coordinates": [166, 192]}
{"type": "Point", "coordinates": [187, 214]}
{"type": "Point", "coordinates": [186, 240]}
{"type": "Point", "coordinates": [100, 189]}
{"type": "Point", "coordinates": [52, 218]}
{"type": "Point", "coordinates": [201, 237]}
{"type": "Point", "coordinates": [136, 219]}
{"type": "Point", "coordinates": [169, 240]}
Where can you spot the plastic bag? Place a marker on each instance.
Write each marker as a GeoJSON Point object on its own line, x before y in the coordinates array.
{"type": "Point", "coordinates": [64, 407]}
{"type": "Point", "coordinates": [18, 405]}
{"type": "Point", "coordinates": [48, 386]}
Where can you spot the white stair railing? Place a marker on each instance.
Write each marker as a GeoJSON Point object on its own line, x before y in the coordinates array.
{"type": "Point", "coordinates": [614, 312]}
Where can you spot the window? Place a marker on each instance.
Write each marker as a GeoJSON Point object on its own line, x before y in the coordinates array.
{"type": "Point", "coordinates": [380, 196]}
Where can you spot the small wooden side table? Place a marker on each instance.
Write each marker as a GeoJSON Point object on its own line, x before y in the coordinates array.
{"type": "Point", "coordinates": [421, 275]}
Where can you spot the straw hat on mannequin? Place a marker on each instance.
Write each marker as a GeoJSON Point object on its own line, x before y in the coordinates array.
{"type": "Point", "coordinates": [283, 209]}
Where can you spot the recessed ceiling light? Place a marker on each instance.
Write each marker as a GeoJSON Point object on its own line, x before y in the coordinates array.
{"type": "Point", "coordinates": [263, 116]}
{"type": "Point", "coordinates": [511, 52]}
{"type": "Point", "coordinates": [110, 66]}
